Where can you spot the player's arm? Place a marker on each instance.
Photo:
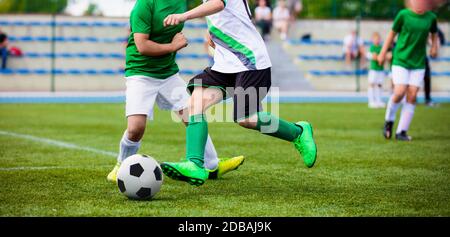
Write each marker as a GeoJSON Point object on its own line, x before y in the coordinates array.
{"type": "Point", "coordinates": [374, 56]}
{"type": "Point", "coordinates": [147, 47]}
{"type": "Point", "coordinates": [434, 40]}
{"type": "Point", "coordinates": [434, 45]}
{"type": "Point", "coordinates": [386, 45]}
{"type": "Point", "coordinates": [208, 8]}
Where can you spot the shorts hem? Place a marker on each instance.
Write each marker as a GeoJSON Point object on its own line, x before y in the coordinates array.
{"type": "Point", "coordinates": [207, 86]}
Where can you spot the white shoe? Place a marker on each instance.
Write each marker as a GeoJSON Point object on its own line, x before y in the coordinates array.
{"type": "Point", "coordinates": [373, 106]}
{"type": "Point", "coordinates": [381, 105]}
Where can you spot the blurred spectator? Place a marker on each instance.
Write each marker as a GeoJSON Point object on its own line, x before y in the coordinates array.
{"type": "Point", "coordinates": [295, 7]}
{"type": "Point", "coordinates": [353, 48]}
{"type": "Point", "coordinates": [281, 17]}
{"type": "Point", "coordinates": [4, 49]}
{"type": "Point", "coordinates": [427, 77]}
{"type": "Point", "coordinates": [263, 17]}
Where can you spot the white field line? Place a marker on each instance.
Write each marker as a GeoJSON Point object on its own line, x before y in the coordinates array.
{"type": "Point", "coordinates": [53, 143]}
{"type": "Point", "coordinates": [49, 167]}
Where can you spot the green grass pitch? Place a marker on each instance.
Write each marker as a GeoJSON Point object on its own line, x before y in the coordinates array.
{"type": "Point", "coordinates": [358, 173]}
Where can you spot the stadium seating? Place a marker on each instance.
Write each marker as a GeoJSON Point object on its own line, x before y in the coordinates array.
{"type": "Point", "coordinates": [322, 61]}
{"type": "Point", "coordinates": [89, 53]}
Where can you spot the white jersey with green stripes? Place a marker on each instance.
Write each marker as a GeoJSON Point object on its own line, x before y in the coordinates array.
{"type": "Point", "coordinates": [239, 46]}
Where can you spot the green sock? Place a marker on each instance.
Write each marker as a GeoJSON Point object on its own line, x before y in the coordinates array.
{"type": "Point", "coordinates": [267, 124]}
{"type": "Point", "coordinates": [196, 135]}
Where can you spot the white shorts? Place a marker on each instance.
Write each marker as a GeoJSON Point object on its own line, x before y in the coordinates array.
{"type": "Point", "coordinates": [376, 77]}
{"type": "Point", "coordinates": [403, 76]}
{"type": "Point", "coordinates": [142, 92]}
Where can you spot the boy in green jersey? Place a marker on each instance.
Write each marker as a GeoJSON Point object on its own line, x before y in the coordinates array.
{"type": "Point", "coordinates": [152, 77]}
{"type": "Point", "coordinates": [376, 74]}
{"type": "Point", "coordinates": [413, 26]}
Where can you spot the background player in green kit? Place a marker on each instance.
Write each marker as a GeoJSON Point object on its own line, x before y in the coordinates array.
{"type": "Point", "coordinates": [413, 26]}
{"type": "Point", "coordinates": [376, 74]}
{"type": "Point", "coordinates": [152, 76]}
{"type": "Point", "coordinates": [242, 70]}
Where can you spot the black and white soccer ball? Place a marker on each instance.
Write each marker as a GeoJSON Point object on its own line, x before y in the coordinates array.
{"type": "Point", "coordinates": [139, 177]}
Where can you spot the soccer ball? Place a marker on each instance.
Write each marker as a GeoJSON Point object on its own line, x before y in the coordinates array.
{"type": "Point", "coordinates": [139, 177]}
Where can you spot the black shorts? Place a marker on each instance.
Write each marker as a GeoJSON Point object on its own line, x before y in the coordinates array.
{"type": "Point", "coordinates": [247, 88]}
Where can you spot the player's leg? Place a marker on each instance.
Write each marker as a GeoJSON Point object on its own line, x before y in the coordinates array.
{"type": "Point", "coordinates": [407, 114]}
{"type": "Point", "coordinates": [192, 170]}
{"type": "Point", "coordinates": [371, 89]}
{"type": "Point", "coordinates": [173, 96]}
{"type": "Point", "coordinates": [400, 77]}
{"type": "Point", "coordinates": [217, 167]}
{"type": "Point", "coordinates": [348, 57]}
{"type": "Point", "coordinates": [378, 93]}
{"type": "Point", "coordinates": [371, 95]}
{"type": "Point", "coordinates": [427, 84]}
{"type": "Point", "coordinates": [4, 56]}
{"type": "Point", "coordinates": [131, 139]}
{"type": "Point", "coordinates": [251, 88]}
{"type": "Point", "coordinates": [415, 82]}
{"type": "Point", "coordinates": [140, 98]}
{"type": "Point", "coordinates": [378, 96]}
{"type": "Point", "coordinates": [211, 157]}
{"type": "Point", "coordinates": [130, 142]}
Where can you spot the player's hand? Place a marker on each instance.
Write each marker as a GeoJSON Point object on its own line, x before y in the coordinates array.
{"type": "Point", "coordinates": [381, 58]}
{"type": "Point", "coordinates": [179, 41]}
{"type": "Point", "coordinates": [433, 52]}
{"type": "Point", "coordinates": [174, 19]}
{"type": "Point", "coordinates": [209, 41]}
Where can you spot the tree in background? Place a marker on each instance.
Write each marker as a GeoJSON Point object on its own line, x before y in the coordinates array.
{"type": "Point", "coordinates": [32, 6]}
{"type": "Point", "coordinates": [92, 10]}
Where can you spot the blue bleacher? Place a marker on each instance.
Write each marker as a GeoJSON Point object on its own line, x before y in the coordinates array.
{"type": "Point", "coordinates": [82, 39]}
{"type": "Point", "coordinates": [103, 55]}
{"type": "Point", "coordinates": [341, 58]}
{"type": "Point", "coordinates": [85, 24]}
{"type": "Point", "coordinates": [329, 42]}
{"type": "Point", "coordinates": [26, 71]}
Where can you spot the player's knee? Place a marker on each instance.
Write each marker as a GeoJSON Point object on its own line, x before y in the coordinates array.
{"type": "Point", "coordinates": [200, 105]}
{"type": "Point", "coordinates": [136, 132]}
{"type": "Point", "coordinates": [398, 96]}
{"type": "Point", "coordinates": [411, 100]}
{"type": "Point", "coordinates": [246, 123]}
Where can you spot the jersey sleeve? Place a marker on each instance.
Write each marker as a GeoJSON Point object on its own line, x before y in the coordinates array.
{"type": "Point", "coordinates": [398, 22]}
{"type": "Point", "coordinates": [141, 17]}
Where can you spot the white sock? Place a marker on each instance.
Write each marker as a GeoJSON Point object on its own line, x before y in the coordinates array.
{"type": "Point", "coordinates": [391, 110]}
{"type": "Point", "coordinates": [127, 147]}
{"type": "Point", "coordinates": [370, 95]}
{"type": "Point", "coordinates": [406, 117]}
{"type": "Point", "coordinates": [211, 160]}
{"type": "Point", "coordinates": [378, 94]}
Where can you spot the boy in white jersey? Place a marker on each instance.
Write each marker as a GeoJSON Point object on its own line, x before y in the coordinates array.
{"type": "Point", "coordinates": [242, 70]}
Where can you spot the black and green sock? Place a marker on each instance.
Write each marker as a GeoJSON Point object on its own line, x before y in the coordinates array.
{"type": "Point", "coordinates": [267, 124]}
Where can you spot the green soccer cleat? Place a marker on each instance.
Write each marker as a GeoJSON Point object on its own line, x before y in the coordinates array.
{"type": "Point", "coordinates": [226, 165]}
{"type": "Point", "coordinates": [305, 144]}
{"type": "Point", "coordinates": [112, 176]}
{"type": "Point", "coordinates": [186, 171]}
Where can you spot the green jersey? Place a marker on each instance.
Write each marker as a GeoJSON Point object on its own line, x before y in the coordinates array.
{"type": "Point", "coordinates": [375, 49]}
{"type": "Point", "coordinates": [413, 31]}
{"type": "Point", "coordinates": [147, 17]}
